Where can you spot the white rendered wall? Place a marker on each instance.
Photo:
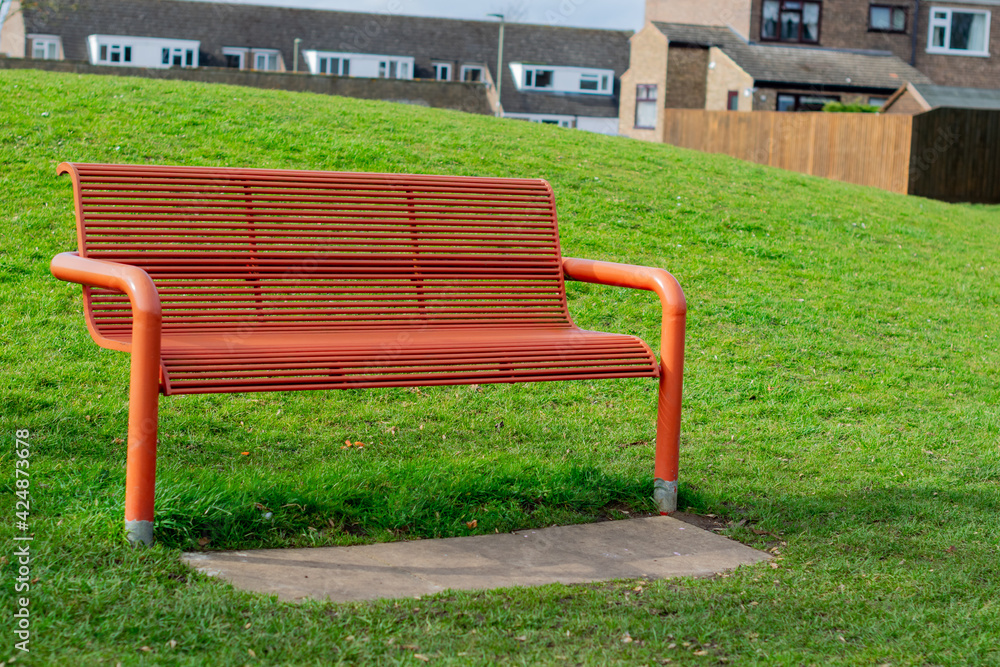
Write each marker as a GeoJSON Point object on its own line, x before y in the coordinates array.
{"type": "Point", "coordinates": [146, 51]}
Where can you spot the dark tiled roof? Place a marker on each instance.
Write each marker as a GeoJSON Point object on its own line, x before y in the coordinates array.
{"type": "Point", "coordinates": [959, 98]}
{"type": "Point", "coordinates": [798, 65]}
{"type": "Point", "coordinates": [217, 25]}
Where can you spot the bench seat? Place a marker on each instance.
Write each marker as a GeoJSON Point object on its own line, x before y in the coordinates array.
{"type": "Point", "coordinates": [364, 358]}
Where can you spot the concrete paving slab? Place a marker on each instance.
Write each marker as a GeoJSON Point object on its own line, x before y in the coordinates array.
{"type": "Point", "coordinates": [652, 548]}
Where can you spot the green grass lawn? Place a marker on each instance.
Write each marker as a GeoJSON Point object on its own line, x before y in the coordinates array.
{"type": "Point", "coordinates": [841, 408]}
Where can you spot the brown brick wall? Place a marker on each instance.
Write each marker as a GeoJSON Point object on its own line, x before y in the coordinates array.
{"type": "Point", "coordinates": [723, 77]}
{"type": "Point", "coordinates": [12, 42]}
{"type": "Point", "coordinates": [844, 24]}
{"type": "Point", "coordinates": [686, 77]}
{"type": "Point", "coordinates": [734, 13]}
{"type": "Point", "coordinates": [905, 104]}
{"type": "Point", "coordinates": [647, 65]}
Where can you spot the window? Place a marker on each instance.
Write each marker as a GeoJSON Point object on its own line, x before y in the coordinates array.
{"type": "Point", "coordinates": [473, 73]}
{"type": "Point", "coordinates": [877, 101]}
{"type": "Point", "coordinates": [45, 48]}
{"type": "Point", "coordinates": [266, 61]}
{"type": "Point", "coordinates": [538, 78]}
{"type": "Point", "coordinates": [335, 66]}
{"type": "Point", "coordinates": [393, 69]}
{"type": "Point", "coordinates": [115, 53]}
{"type": "Point", "coordinates": [882, 18]}
{"type": "Point", "coordinates": [588, 82]}
{"type": "Point", "coordinates": [790, 21]}
{"type": "Point", "coordinates": [733, 101]}
{"type": "Point", "coordinates": [442, 71]}
{"type": "Point", "coordinates": [645, 106]}
{"type": "Point", "coordinates": [235, 56]}
{"type": "Point", "coordinates": [793, 102]}
{"type": "Point", "coordinates": [177, 57]}
{"type": "Point", "coordinates": [959, 32]}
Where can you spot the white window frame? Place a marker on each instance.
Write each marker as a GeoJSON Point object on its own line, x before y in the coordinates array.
{"type": "Point", "coordinates": [393, 68]}
{"type": "Point", "coordinates": [326, 65]}
{"type": "Point", "coordinates": [270, 56]}
{"type": "Point", "coordinates": [188, 57]}
{"type": "Point", "coordinates": [474, 68]}
{"type": "Point", "coordinates": [51, 46]}
{"type": "Point", "coordinates": [442, 71]}
{"type": "Point", "coordinates": [106, 54]}
{"type": "Point", "coordinates": [945, 23]}
{"type": "Point", "coordinates": [240, 52]}
{"type": "Point", "coordinates": [531, 77]}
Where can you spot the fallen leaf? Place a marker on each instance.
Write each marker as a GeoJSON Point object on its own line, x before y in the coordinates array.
{"type": "Point", "coordinates": [245, 453]}
{"type": "Point", "coordinates": [411, 647]}
{"type": "Point", "coordinates": [421, 656]}
{"type": "Point", "coordinates": [359, 444]}
{"type": "Point", "coordinates": [951, 549]}
{"type": "Point", "coordinates": [203, 541]}
{"type": "Point", "coordinates": [347, 443]}
{"type": "Point", "coordinates": [145, 648]}
{"type": "Point", "coordinates": [627, 638]}
{"type": "Point", "coordinates": [172, 643]}
{"type": "Point", "coordinates": [472, 524]}
{"type": "Point", "coordinates": [247, 626]}
{"type": "Point", "coordinates": [701, 652]}
{"type": "Point", "coordinates": [252, 654]}
{"type": "Point", "coordinates": [522, 638]}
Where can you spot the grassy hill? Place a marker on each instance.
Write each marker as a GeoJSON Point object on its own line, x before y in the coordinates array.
{"type": "Point", "coordinates": [841, 408]}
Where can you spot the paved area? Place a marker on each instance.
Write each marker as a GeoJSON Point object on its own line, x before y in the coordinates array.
{"type": "Point", "coordinates": [653, 548]}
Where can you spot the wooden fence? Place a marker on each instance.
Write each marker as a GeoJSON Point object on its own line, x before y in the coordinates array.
{"type": "Point", "coordinates": [950, 154]}
{"type": "Point", "coordinates": [955, 155]}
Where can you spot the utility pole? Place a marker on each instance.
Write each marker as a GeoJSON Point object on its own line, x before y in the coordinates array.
{"type": "Point", "coordinates": [500, 60]}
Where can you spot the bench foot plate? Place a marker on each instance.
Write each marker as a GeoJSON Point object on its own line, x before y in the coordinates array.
{"type": "Point", "coordinates": [139, 532]}
{"type": "Point", "coordinates": [665, 496]}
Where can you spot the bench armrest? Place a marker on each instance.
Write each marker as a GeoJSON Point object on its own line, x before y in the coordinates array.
{"type": "Point", "coordinates": [637, 277]}
{"type": "Point", "coordinates": [133, 281]}
{"type": "Point", "coordinates": [668, 410]}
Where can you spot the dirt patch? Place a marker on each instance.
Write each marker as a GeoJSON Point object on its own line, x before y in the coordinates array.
{"type": "Point", "coordinates": [705, 522]}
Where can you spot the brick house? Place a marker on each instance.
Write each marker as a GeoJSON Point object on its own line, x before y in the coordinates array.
{"type": "Point", "coordinates": [953, 43]}
{"type": "Point", "coordinates": [708, 67]}
{"type": "Point", "coordinates": [564, 76]}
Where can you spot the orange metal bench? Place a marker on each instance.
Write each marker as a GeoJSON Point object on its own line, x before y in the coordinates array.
{"type": "Point", "coordinates": [236, 280]}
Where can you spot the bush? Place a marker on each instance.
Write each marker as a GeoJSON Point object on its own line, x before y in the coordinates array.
{"type": "Point", "coordinates": [840, 107]}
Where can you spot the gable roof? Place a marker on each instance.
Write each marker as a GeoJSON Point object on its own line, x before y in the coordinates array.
{"type": "Point", "coordinates": [217, 25]}
{"type": "Point", "coordinates": [803, 66]}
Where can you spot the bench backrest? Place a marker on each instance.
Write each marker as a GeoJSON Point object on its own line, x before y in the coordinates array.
{"type": "Point", "coordinates": [231, 248]}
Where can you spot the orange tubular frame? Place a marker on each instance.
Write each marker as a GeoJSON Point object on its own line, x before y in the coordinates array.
{"type": "Point", "coordinates": [144, 391]}
{"type": "Point", "coordinates": [668, 407]}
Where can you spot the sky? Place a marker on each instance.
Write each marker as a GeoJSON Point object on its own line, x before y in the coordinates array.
{"type": "Point", "coordinates": [611, 14]}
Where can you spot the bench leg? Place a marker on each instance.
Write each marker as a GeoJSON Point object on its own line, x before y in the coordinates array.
{"type": "Point", "coordinates": [668, 434]}
{"type": "Point", "coordinates": [140, 473]}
